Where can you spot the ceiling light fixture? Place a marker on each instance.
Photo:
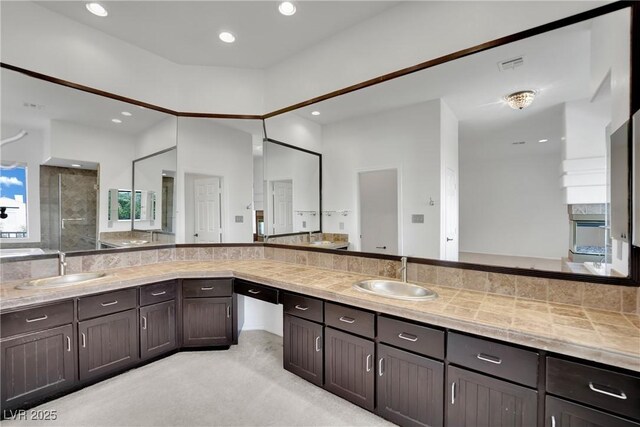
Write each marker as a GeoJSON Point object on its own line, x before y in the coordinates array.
{"type": "Point", "coordinates": [116, 120]}
{"type": "Point", "coordinates": [543, 140]}
{"type": "Point", "coordinates": [97, 9]}
{"type": "Point", "coordinates": [126, 113]}
{"type": "Point", "coordinates": [75, 165]}
{"type": "Point", "coordinates": [287, 8]}
{"type": "Point", "coordinates": [227, 37]}
{"type": "Point", "coordinates": [520, 100]}
{"type": "Point", "coordinates": [315, 113]}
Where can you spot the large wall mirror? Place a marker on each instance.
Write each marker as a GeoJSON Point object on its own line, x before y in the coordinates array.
{"type": "Point", "coordinates": [216, 174]}
{"type": "Point", "coordinates": [516, 156]}
{"type": "Point", "coordinates": [66, 175]}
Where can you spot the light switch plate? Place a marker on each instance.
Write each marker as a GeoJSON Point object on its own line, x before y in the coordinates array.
{"type": "Point", "coordinates": [341, 225]}
{"type": "Point", "coordinates": [304, 224]}
{"type": "Point", "coordinates": [417, 219]}
{"type": "Point", "coordinates": [239, 218]}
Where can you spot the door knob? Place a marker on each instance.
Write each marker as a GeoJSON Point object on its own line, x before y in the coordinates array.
{"type": "Point", "coordinates": [381, 247]}
{"type": "Point", "coordinates": [195, 235]}
{"type": "Point", "coordinates": [449, 239]}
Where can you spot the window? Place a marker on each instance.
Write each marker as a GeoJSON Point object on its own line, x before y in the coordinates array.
{"type": "Point", "coordinates": [13, 201]}
{"type": "Point", "coordinates": [123, 206]}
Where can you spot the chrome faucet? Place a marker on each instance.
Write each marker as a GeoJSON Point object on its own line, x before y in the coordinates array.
{"type": "Point", "coordinates": [310, 236]}
{"type": "Point", "coordinates": [62, 263]}
{"type": "Point", "coordinates": [152, 233]}
{"type": "Point", "coordinates": [403, 269]}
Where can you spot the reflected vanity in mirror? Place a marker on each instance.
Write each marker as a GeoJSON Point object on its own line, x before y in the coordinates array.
{"type": "Point", "coordinates": [66, 166]}
{"type": "Point", "coordinates": [515, 156]}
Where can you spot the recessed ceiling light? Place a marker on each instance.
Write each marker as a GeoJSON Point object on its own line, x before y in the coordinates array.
{"type": "Point", "coordinates": [97, 9]}
{"type": "Point", "coordinates": [126, 113]}
{"type": "Point", "coordinates": [287, 8]}
{"type": "Point", "coordinates": [116, 120]}
{"type": "Point", "coordinates": [543, 140]}
{"type": "Point", "coordinates": [227, 37]}
{"type": "Point", "coordinates": [75, 165]}
{"type": "Point", "coordinates": [315, 113]}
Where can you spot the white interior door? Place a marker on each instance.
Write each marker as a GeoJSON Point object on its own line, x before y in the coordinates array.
{"type": "Point", "coordinates": [208, 210]}
{"type": "Point", "coordinates": [379, 211]}
{"type": "Point", "coordinates": [282, 193]}
{"type": "Point", "coordinates": [451, 216]}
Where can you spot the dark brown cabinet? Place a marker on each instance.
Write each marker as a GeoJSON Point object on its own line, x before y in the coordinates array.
{"type": "Point", "coordinates": [477, 400]}
{"type": "Point", "coordinates": [157, 329]}
{"type": "Point", "coordinates": [36, 365]}
{"type": "Point", "coordinates": [107, 344]}
{"type": "Point", "coordinates": [303, 347]}
{"type": "Point", "coordinates": [409, 388]}
{"type": "Point", "coordinates": [207, 322]}
{"type": "Point", "coordinates": [561, 413]}
{"type": "Point", "coordinates": [349, 367]}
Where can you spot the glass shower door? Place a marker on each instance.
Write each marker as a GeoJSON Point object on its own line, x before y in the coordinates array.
{"type": "Point", "coordinates": [78, 197]}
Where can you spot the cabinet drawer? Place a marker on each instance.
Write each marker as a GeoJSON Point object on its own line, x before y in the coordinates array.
{"type": "Point", "coordinates": [305, 307]}
{"type": "Point", "coordinates": [416, 338]}
{"type": "Point", "coordinates": [350, 319]}
{"type": "Point", "coordinates": [206, 288]}
{"type": "Point", "coordinates": [253, 290]}
{"type": "Point", "coordinates": [111, 302]}
{"type": "Point", "coordinates": [158, 292]}
{"type": "Point", "coordinates": [562, 413]}
{"type": "Point", "coordinates": [598, 387]}
{"type": "Point", "coordinates": [37, 318]}
{"type": "Point", "coordinates": [504, 361]}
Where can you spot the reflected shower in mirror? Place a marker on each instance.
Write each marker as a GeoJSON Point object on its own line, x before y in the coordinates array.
{"type": "Point", "coordinates": [63, 153]}
{"type": "Point", "coordinates": [216, 174]}
{"type": "Point", "coordinates": [515, 156]}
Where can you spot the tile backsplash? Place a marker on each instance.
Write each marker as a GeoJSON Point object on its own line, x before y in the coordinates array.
{"type": "Point", "coordinates": [606, 297]}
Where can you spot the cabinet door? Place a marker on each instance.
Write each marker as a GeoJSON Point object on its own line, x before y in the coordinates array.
{"type": "Point", "coordinates": [560, 413]}
{"type": "Point", "coordinates": [157, 329]}
{"type": "Point", "coordinates": [207, 322]}
{"type": "Point", "coordinates": [477, 400]}
{"type": "Point", "coordinates": [410, 388]}
{"type": "Point", "coordinates": [36, 365]}
{"type": "Point", "coordinates": [108, 344]}
{"type": "Point", "coordinates": [349, 367]}
{"type": "Point", "coordinates": [303, 344]}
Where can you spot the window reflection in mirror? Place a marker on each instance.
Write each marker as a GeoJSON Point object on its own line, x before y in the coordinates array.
{"type": "Point", "coordinates": [444, 164]}
{"type": "Point", "coordinates": [76, 147]}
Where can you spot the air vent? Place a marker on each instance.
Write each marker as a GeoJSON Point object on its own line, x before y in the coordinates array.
{"type": "Point", "coordinates": [511, 64]}
{"type": "Point", "coordinates": [32, 105]}
{"type": "Point", "coordinates": [519, 143]}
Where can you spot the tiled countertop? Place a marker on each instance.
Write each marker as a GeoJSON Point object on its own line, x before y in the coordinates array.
{"type": "Point", "coordinates": [602, 336]}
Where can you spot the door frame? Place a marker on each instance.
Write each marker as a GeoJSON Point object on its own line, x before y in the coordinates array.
{"type": "Point", "coordinates": [398, 169]}
{"type": "Point", "coordinates": [223, 200]}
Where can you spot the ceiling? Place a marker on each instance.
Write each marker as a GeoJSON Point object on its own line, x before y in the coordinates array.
{"type": "Point", "coordinates": [186, 32]}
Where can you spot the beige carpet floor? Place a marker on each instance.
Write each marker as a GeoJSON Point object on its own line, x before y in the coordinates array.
{"type": "Point", "coordinates": [243, 386]}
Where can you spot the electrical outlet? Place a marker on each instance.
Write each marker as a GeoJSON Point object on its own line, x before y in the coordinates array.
{"type": "Point", "coordinates": [341, 225]}
{"type": "Point", "coordinates": [304, 224]}
{"type": "Point", "coordinates": [417, 219]}
{"type": "Point", "coordinates": [239, 218]}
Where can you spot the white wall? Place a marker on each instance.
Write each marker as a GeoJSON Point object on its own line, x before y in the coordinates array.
{"type": "Point", "coordinates": [28, 150]}
{"type": "Point", "coordinates": [292, 129]}
{"type": "Point", "coordinates": [511, 201]}
{"type": "Point", "coordinates": [209, 148]}
{"type": "Point", "coordinates": [262, 316]}
{"type": "Point", "coordinates": [114, 152]}
{"type": "Point", "coordinates": [407, 139]}
{"type": "Point", "coordinates": [402, 36]}
{"type": "Point", "coordinates": [38, 39]}
{"type": "Point", "coordinates": [158, 137]}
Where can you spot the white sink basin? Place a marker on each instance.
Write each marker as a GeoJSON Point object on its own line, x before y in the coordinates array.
{"type": "Point", "coordinates": [395, 289]}
{"type": "Point", "coordinates": [321, 242]}
{"type": "Point", "coordinates": [135, 242]}
{"type": "Point", "coordinates": [60, 281]}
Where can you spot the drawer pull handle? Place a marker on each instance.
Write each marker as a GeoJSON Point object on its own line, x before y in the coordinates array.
{"type": "Point", "coordinates": [228, 311]}
{"type": "Point", "coordinates": [144, 322]}
{"type": "Point", "coordinates": [346, 319]}
{"type": "Point", "coordinates": [453, 393]}
{"type": "Point", "coordinates": [490, 359]}
{"type": "Point", "coordinates": [368, 363]}
{"type": "Point", "coordinates": [107, 304]}
{"type": "Point", "coordinates": [37, 319]}
{"type": "Point", "coordinates": [206, 288]}
{"type": "Point", "coordinates": [408, 337]}
{"type": "Point", "coordinates": [84, 340]}
{"type": "Point", "coordinates": [318, 344]}
{"type": "Point", "coordinates": [157, 294]}
{"type": "Point", "coordinates": [68, 343]}
{"type": "Point", "coordinates": [253, 291]}
{"type": "Point", "coordinates": [620, 395]}
{"type": "Point", "coordinates": [302, 308]}
{"type": "Point", "coordinates": [380, 371]}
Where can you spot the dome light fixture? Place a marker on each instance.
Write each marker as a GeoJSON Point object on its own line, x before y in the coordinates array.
{"type": "Point", "coordinates": [227, 37]}
{"type": "Point", "coordinates": [520, 100]}
{"type": "Point", "coordinates": [287, 8]}
{"type": "Point", "coordinates": [97, 9]}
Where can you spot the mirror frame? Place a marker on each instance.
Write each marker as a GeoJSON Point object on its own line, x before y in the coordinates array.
{"type": "Point", "coordinates": [634, 251]}
{"type": "Point", "coordinates": [304, 150]}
